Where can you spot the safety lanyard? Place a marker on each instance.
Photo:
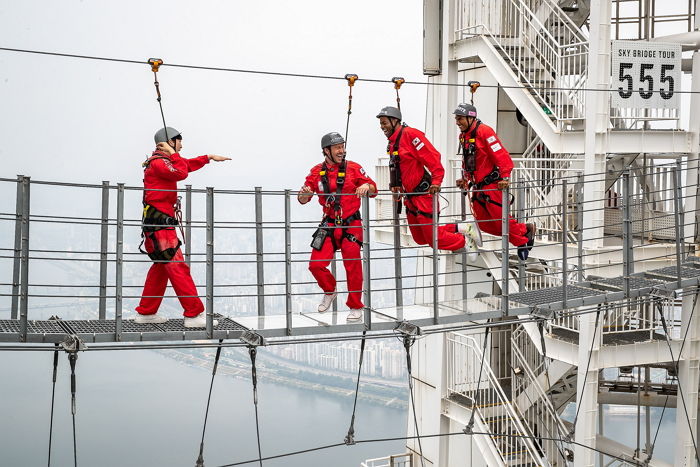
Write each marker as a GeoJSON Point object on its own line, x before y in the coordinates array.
{"type": "Point", "coordinates": [394, 166]}
{"type": "Point", "coordinates": [339, 182]}
{"type": "Point", "coordinates": [469, 150]}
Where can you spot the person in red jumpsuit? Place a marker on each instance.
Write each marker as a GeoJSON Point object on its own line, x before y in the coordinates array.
{"type": "Point", "coordinates": [416, 175]}
{"type": "Point", "coordinates": [341, 226]}
{"type": "Point", "coordinates": [162, 171]}
{"type": "Point", "coordinates": [486, 168]}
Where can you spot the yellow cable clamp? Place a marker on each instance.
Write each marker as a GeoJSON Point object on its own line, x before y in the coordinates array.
{"type": "Point", "coordinates": [155, 64]}
{"type": "Point", "coordinates": [398, 81]}
{"type": "Point", "coordinates": [351, 79]}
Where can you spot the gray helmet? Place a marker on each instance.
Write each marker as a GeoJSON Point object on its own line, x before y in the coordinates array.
{"type": "Point", "coordinates": [165, 134]}
{"type": "Point", "coordinates": [465, 110]}
{"type": "Point", "coordinates": [392, 112]}
{"type": "Point", "coordinates": [329, 139]}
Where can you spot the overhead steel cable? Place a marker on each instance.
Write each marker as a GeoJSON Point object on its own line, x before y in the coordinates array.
{"type": "Point", "coordinates": [311, 75]}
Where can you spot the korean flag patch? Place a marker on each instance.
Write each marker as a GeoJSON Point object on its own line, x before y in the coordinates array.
{"type": "Point", "coordinates": [490, 139]}
{"type": "Point", "coordinates": [417, 143]}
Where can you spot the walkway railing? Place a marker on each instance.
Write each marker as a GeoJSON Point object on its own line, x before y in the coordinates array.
{"type": "Point", "coordinates": [249, 253]}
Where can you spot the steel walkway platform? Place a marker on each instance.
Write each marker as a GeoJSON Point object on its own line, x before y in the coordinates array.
{"type": "Point", "coordinates": [544, 302]}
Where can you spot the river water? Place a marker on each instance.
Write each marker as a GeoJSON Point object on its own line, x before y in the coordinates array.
{"type": "Point", "coordinates": [141, 408]}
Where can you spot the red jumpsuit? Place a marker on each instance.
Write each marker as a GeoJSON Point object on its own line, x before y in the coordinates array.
{"type": "Point", "coordinates": [163, 173]}
{"type": "Point", "coordinates": [415, 154]}
{"type": "Point", "coordinates": [355, 176]}
{"type": "Point", "coordinates": [487, 201]}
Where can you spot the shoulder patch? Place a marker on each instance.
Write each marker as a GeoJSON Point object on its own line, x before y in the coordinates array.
{"type": "Point", "coordinates": [417, 143]}
{"type": "Point", "coordinates": [490, 139]}
{"type": "Point", "coordinates": [362, 171]}
{"type": "Point", "coordinates": [496, 147]}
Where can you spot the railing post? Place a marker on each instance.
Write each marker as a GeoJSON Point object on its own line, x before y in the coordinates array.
{"type": "Point", "coordinates": [259, 250]}
{"type": "Point", "coordinates": [521, 266]}
{"type": "Point", "coordinates": [564, 241]}
{"type": "Point", "coordinates": [24, 261]}
{"type": "Point", "coordinates": [463, 202]}
{"type": "Point", "coordinates": [626, 232]}
{"type": "Point", "coordinates": [188, 224]}
{"type": "Point", "coordinates": [579, 225]}
{"type": "Point", "coordinates": [677, 221]}
{"type": "Point", "coordinates": [436, 257]}
{"type": "Point", "coordinates": [366, 258]}
{"type": "Point", "coordinates": [681, 209]}
{"type": "Point", "coordinates": [398, 276]}
{"type": "Point", "coordinates": [19, 203]}
{"type": "Point", "coordinates": [104, 236]}
{"type": "Point", "coordinates": [288, 260]}
{"type": "Point", "coordinates": [505, 256]}
{"type": "Point", "coordinates": [210, 263]}
{"type": "Point", "coordinates": [119, 273]}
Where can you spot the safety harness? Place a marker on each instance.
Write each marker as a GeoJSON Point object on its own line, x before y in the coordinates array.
{"type": "Point", "coordinates": [153, 220]}
{"type": "Point", "coordinates": [468, 148]}
{"type": "Point", "coordinates": [396, 181]}
{"type": "Point", "coordinates": [333, 199]}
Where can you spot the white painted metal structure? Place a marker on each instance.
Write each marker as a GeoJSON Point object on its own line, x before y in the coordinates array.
{"type": "Point", "coordinates": [551, 61]}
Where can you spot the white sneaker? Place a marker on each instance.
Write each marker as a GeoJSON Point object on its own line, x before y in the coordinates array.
{"type": "Point", "coordinates": [472, 250]}
{"type": "Point", "coordinates": [199, 321]}
{"type": "Point", "coordinates": [150, 319]}
{"type": "Point", "coordinates": [326, 302]}
{"type": "Point", "coordinates": [470, 230]}
{"type": "Point", "coordinates": [355, 315]}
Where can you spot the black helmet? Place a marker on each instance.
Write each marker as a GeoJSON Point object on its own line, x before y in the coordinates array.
{"type": "Point", "coordinates": [165, 134]}
{"type": "Point", "coordinates": [391, 112]}
{"type": "Point", "coordinates": [465, 110]}
{"type": "Point", "coordinates": [330, 139]}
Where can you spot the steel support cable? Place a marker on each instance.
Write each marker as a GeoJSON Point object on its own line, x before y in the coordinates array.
{"type": "Point", "coordinates": [252, 350]}
{"type": "Point", "coordinates": [439, 435]}
{"type": "Point", "coordinates": [350, 437]}
{"type": "Point", "coordinates": [310, 75]}
{"type": "Point", "coordinates": [72, 359]}
{"type": "Point", "coordinates": [675, 365]}
{"type": "Point", "coordinates": [200, 459]}
{"type": "Point", "coordinates": [588, 365]}
{"type": "Point", "coordinates": [155, 65]}
{"type": "Point", "coordinates": [408, 342]}
{"type": "Point", "coordinates": [53, 397]}
{"type": "Point", "coordinates": [470, 425]}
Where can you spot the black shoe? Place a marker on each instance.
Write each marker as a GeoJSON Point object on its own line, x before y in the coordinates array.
{"type": "Point", "coordinates": [524, 252]}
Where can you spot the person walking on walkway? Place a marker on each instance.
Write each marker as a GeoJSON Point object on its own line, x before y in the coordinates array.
{"type": "Point", "coordinates": [340, 185]}
{"type": "Point", "coordinates": [161, 173]}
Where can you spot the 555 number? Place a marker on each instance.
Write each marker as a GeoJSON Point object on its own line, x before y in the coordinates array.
{"type": "Point", "coordinates": [645, 78]}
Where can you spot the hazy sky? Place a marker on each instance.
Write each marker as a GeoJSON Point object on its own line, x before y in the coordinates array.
{"type": "Point", "coordinates": [81, 120]}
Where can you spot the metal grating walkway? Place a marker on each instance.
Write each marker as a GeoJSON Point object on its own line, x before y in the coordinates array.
{"type": "Point", "coordinates": [593, 292]}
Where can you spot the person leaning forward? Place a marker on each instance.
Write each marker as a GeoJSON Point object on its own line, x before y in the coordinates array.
{"type": "Point", "coordinates": [161, 173]}
{"type": "Point", "coordinates": [336, 180]}
{"type": "Point", "coordinates": [486, 168]}
{"type": "Point", "coordinates": [416, 175]}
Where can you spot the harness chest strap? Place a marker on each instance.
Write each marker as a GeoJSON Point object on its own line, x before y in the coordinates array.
{"type": "Point", "coordinates": [339, 183]}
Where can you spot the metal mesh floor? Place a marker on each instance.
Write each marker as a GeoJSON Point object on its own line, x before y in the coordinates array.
{"type": "Point", "coordinates": [552, 295]}
{"type": "Point", "coordinates": [671, 271]}
{"type": "Point", "coordinates": [108, 327]}
{"type": "Point", "coordinates": [635, 282]}
{"type": "Point", "coordinates": [12, 326]}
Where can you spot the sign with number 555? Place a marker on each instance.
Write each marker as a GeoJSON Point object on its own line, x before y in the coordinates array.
{"type": "Point", "coordinates": [646, 75]}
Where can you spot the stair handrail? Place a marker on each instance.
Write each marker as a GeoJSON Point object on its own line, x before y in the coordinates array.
{"type": "Point", "coordinates": [510, 412]}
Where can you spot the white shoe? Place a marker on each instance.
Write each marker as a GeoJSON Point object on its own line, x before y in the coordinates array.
{"type": "Point", "coordinates": [326, 302]}
{"type": "Point", "coordinates": [355, 315]}
{"type": "Point", "coordinates": [472, 250]}
{"type": "Point", "coordinates": [470, 230]}
{"type": "Point", "coordinates": [150, 319]}
{"type": "Point", "coordinates": [199, 321]}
